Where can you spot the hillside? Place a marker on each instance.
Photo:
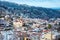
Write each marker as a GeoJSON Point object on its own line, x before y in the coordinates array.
{"type": "Point", "coordinates": [29, 11]}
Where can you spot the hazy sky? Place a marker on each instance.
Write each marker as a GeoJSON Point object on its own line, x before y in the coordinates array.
{"type": "Point", "coordinates": [40, 3]}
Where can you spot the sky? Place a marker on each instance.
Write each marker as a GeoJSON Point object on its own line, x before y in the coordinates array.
{"type": "Point", "coordinates": [38, 3]}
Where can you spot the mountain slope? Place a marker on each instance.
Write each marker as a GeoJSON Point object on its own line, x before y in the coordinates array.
{"type": "Point", "coordinates": [29, 11]}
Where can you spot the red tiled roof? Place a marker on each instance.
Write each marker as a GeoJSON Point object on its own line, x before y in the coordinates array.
{"type": "Point", "coordinates": [45, 30]}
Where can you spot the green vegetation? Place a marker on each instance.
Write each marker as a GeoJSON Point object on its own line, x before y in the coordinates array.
{"type": "Point", "coordinates": [49, 26]}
